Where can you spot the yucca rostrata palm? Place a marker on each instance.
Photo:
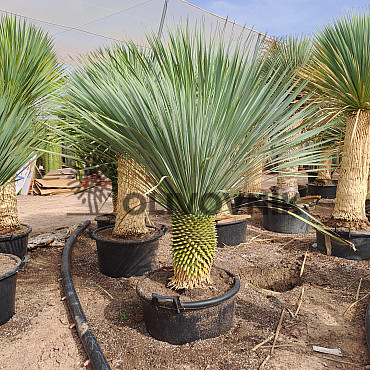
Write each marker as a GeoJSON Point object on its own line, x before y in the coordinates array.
{"type": "Point", "coordinates": [82, 147]}
{"type": "Point", "coordinates": [333, 138]}
{"type": "Point", "coordinates": [191, 114]}
{"type": "Point", "coordinates": [100, 68]}
{"type": "Point", "coordinates": [18, 136]}
{"type": "Point", "coordinates": [341, 75]}
{"type": "Point", "coordinates": [28, 71]}
{"type": "Point", "coordinates": [289, 54]}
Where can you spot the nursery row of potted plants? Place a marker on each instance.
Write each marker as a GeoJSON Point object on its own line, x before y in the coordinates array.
{"type": "Point", "coordinates": [190, 122]}
{"type": "Point", "coordinates": [29, 74]}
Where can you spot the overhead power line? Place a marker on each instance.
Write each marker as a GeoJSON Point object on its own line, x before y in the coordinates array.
{"type": "Point", "coordinates": [97, 20]}
{"type": "Point", "coordinates": [60, 25]}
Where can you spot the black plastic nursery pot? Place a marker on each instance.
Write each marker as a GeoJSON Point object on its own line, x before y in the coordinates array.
{"type": "Point", "coordinates": [8, 283]}
{"type": "Point", "coordinates": [106, 219]}
{"type": "Point", "coordinates": [339, 249]}
{"type": "Point", "coordinates": [248, 202]}
{"type": "Point", "coordinates": [126, 259]}
{"type": "Point", "coordinates": [302, 189]}
{"type": "Point", "coordinates": [15, 244]}
{"type": "Point", "coordinates": [326, 191]}
{"type": "Point", "coordinates": [169, 319]}
{"type": "Point", "coordinates": [279, 221]}
{"type": "Point", "coordinates": [311, 176]}
{"type": "Point", "coordinates": [232, 233]}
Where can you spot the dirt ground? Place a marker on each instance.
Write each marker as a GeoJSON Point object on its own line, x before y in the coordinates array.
{"type": "Point", "coordinates": [39, 335]}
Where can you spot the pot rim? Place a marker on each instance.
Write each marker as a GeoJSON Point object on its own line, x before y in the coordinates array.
{"type": "Point", "coordinates": [186, 305]}
{"type": "Point", "coordinates": [220, 224]}
{"type": "Point", "coordinates": [14, 270]}
{"type": "Point", "coordinates": [281, 206]}
{"type": "Point", "coordinates": [104, 214]}
{"type": "Point", "coordinates": [161, 230]}
{"type": "Point", "coordinates": [349, 234]}
{"type": "Point", "coordinates": [7, 237]}
{"type": "Point", "coordinates": [322, 185]}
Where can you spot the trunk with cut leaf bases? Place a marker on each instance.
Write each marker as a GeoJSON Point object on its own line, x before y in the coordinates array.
{"type": "Point", "coordinates": [193, 249]}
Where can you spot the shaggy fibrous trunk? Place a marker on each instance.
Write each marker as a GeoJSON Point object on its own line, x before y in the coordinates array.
{"type": "Point", "coordinates": [253, 179]}
{"type": "Point", "coordinates": [130, 217]}
{"type": "Point", "coordinates": [193, 248]}
{"type": "Point", "coordinates": [114, 195]}
{"type": "Point", "coordinates": [8, 209]}
{"type": "Point", "coordinates": [225, 209]}
{"type": "Point", "coordinates": [288, 184]}
{"type": "Point", "coordinates": [287, 180]}
{"type": "Point", "coordinates": [354, 171]}
{"type": "Point", "coordinates": [324, 175]}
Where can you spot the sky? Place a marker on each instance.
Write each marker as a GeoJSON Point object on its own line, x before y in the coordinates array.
{"type": "Point", "coordinates": [281, 17]}
{"type": "Point", "coordinates": [80, 26]}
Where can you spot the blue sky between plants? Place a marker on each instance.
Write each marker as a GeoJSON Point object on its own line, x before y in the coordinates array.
{"type": "Point", "coordinates": [281, 17]}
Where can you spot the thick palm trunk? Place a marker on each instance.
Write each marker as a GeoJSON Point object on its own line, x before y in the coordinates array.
{"type": "Point", "coordinates": [287, 181]}
{"type": "Point", "coordinates": [193, 248]}
{"type": "Point", "coordinates": [130, 218]}
{"type": "Point", "coordinates": [225, 208]}
{"type": "Point", "coordinates": [253, 179]}
{"type": "Point", "coordinates": [8, 209]}
{"type": "Point", "coordinates": [288, 184]}
{"type": "Point", "coordinates": [354, 171]}
{"type": "Point", "coordinates": [324, 175]}
{"type": "Point", "coordinates": [114, 195]}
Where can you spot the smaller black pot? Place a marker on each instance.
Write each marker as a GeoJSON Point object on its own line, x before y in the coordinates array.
{"type": "Point", "coordinates": [230, 234]}
{"type": "Point", "coordinates": [279, 221]}
{"type": "Point", "coordinates": [15, 244]}
{"type": "Point", "coordinates": [126, 259]}
{"type": "Point", "coordinates": [170, 320]}
{"type": "Point", "coordinates": [8, 283]}
{"type": "Point", "coordinates": [248, 202]}
{"type": "Point", "coordinates": [326, 191]}
{"type": "Point", "coordinates": [302, 189]}
{"type": "Point", "coordinates": [107, 219]}
{"type": "Point", "coordinates": [339, 249]}
{"type": "Point", "coordinates": [311, 176]}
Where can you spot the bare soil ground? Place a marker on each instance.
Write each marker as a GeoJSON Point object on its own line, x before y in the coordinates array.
{"type": "Point", "coordinates": [38, 336]}
{"type": "Point", "coordinates": [269, 264]}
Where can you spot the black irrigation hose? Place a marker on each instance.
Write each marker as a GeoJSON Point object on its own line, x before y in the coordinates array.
{"type": "Point", "coordinates": [92, 348]}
